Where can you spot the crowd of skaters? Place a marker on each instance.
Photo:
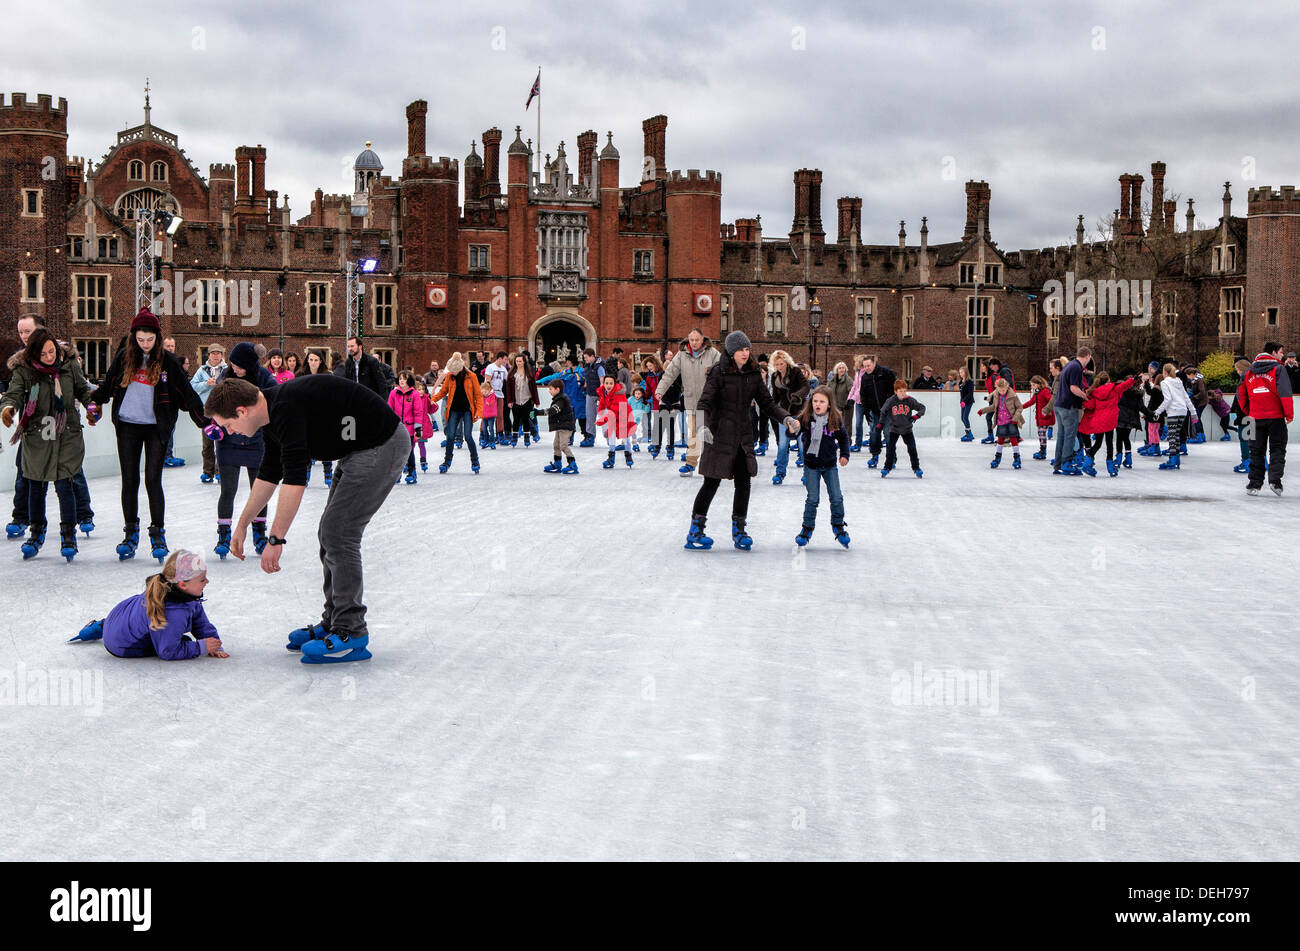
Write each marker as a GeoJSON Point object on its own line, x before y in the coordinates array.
{"type": "Point", "coordinates": [720, 407]}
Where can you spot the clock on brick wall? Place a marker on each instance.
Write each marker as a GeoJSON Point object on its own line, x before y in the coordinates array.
{"type": "Point", "coordinates": [435, 295]}
{"type": "Point", "coordinates": [703, 303]}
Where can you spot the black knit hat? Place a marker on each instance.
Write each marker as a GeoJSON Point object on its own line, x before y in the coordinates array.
{"type": "Point", "coordinates": [736, 340]}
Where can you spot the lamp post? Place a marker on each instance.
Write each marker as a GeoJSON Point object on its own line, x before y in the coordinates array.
{"type": "Point", "coordinates": [814, 324]}
{"type": "Point", "coordinates": [826, 364]}
{"type": "Point", "coordinates": [280, 280]}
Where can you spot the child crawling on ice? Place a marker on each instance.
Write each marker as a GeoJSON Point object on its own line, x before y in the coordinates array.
{"type": "Point", "coordinates": [167, 620]}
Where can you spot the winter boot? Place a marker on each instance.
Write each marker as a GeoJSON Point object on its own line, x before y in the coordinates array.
{"type": "Point", "coordinates": [130, 539]}
{"type": "Point", "coordinates": [35, 539]}
{"type": "Point", "coordinates": [15, 530]}
{"type": "Point", "coordinates": [841, 534]}
{"type": "Point", "coordinates": [571, 468]}
{"type": "Point", "coordinates": [609, 462]}
{"type": "Point", "coordinates": [805, 533]}
{"type": "Point", "coordinates": [158, 542]}
{"type": "Point", "coordinates": [68, 540]}
{"type": "Point", "coordinates": [696, 540]}
{"type": "Point", "coordinates": [259, 536]}
{"type": "Point", "coordinates": [738, 537]}
{"type": "Point", "coordinates": [223, 541]}
{"type": "Point", "coordinates": [627, 457]}
{"type": "Point", "coordinates": [554, 466]}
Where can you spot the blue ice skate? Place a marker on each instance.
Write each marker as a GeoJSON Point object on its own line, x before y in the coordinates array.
{"type": "Point", "coordinates": [739, 537]}
{"type": "Point", "coordinates": [841, 534]}
{"type": "Point", "coordinates": [696, 540]}
{"type": "Point", "coordinates": [312, 632]}
{"type": "Point", "coordinates": [91, 632]}
{"type": "Point", "coordinates": [330, 648]}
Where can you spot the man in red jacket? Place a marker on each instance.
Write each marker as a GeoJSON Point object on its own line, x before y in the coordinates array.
{"type": "Point", "coordinates": [1265, 396]}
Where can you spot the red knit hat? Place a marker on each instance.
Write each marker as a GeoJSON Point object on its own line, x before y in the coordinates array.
{"type": "Point", "coordinates": [145, 320]}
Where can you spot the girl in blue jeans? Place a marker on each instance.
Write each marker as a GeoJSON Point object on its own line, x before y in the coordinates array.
{"type": "Point", "coordinates": [824, 442]}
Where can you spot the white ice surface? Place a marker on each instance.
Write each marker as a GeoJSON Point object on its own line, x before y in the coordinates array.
{"type": "Point", "coordinates": [554, 677]}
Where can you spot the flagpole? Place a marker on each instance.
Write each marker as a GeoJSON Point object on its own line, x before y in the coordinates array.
{"type": "Point", "coordinates": [539, 125]}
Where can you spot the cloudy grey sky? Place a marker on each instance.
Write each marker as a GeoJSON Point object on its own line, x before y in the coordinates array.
{"type": "Point", "coordinates": [897, 103]}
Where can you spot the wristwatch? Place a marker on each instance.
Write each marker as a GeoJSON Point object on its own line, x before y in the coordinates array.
{"type": "Point", "coordinates": [273, 540]}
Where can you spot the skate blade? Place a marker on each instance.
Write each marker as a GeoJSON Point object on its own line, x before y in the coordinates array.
{"type": "Point", "coordinates": [358, 653]}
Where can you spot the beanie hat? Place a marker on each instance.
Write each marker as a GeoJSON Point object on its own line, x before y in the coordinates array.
{"type": "Point", "coordinates": [244, 356]}
{"type": "Point", "coordinates": [736, 340]}
{"type": "Point", "coordinates": [145, 320]}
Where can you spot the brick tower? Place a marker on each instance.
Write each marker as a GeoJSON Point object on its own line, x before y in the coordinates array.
{"type": "Point", "coordinates": [35, 182]}
{"type": "Point", "coordinates": [1272, 268]}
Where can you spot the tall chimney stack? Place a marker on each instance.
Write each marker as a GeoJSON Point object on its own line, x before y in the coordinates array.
{"type": "Point", "coordinates": [653, 129]}
{"type": "Point", "coordinates": [415, 114]}
{"type": "Point", "coordinates": [1157, 196]}
{"type": "Point", "coordinates": [492, 162]}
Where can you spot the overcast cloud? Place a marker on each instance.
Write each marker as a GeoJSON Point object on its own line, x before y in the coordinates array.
{"type": "Point", "coordinates": [1049, 102]}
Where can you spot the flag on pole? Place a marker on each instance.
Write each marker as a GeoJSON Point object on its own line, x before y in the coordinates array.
{"type": "Point", "coordinates": [536, 90]}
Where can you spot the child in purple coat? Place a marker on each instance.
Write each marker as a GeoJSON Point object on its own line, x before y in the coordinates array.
{"type": "Point", "coordinates": [167, 620]}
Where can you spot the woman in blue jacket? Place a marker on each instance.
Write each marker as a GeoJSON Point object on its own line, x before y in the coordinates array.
{"type": "Point", "coordinates": [167, 620]}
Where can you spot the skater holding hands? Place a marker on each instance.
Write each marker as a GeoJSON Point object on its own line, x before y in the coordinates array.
{"type": "Point", "coordinates": [730, 386]}
{"type": "Point", "coordinates": [167, 620]}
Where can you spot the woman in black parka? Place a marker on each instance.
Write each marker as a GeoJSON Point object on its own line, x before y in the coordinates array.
{"type": "Point", "coordinates": [731, 386]}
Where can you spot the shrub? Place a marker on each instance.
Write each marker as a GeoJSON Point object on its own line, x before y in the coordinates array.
{"type": "Point", "coordinates": [1218, 371]}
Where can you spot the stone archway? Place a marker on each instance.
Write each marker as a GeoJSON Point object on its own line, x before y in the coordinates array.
{"type": "Point", "coordinates": [550, 333]}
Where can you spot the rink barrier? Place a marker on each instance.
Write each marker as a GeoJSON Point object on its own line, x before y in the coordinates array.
{"type": "Point", "coordinates": [942, 419]}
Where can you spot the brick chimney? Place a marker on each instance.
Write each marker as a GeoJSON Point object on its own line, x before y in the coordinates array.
{"type": "Point", "coordinates": [978, 195]}
{"type": "Point", "coordinates": [653, 129]}
{"type": "Point", "coordinates": [1170, 209]}
{"type": "Point", "coordinates": [415, 114]}
{"type": "Point", "coordinates": [850, 218]}
{"type": "Point", "coordinates": [492, 162]}
{"type": "Point", "coordinates": [1135, 209]}
{"type": "Point", "coordinates": [1122, 226]}
{"type": "Point", "coordinates": [586, 155]}
{"type": "Point", "coordinates": [258, 156]}
{"type": "Point", "coordinates": [243, 168]}
{"type": "Point", "coordinates": [808, 205]}
{"type": "Point", "coordinates": [1157, 195]}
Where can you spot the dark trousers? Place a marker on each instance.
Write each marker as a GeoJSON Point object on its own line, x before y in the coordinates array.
{"type": "Point", "coordinates": [209, 456]}
{"type": "Point", "coordinates": [80, 493]}
{"type": "Point", "coordinates": [740, 501]}
{"type": "Point", "coordinates": [1270, 435]}
{"type": "Point", "coordinates": [891, 449]}
{"type": "Point", "coordinates": [132, 438]}
{"type": "Point", "coordinates": [657, 424]}
{"type": "Point", "coordinates": [847, 414]}
{"type": "Point", "coordinates": [36, 502]}
{"type": "Point", "coordinates": [519, 421]}
{"type": "Point", "coordinates": [1096, 445]}
{"type": "Point", "coordinates": [229, 486]}
{"type": "Point", "coordinates": [877, 433]}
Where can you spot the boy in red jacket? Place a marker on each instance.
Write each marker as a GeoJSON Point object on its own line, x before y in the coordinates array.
{"type": "Point", "coordinates": [1265, 396]}
{"type": "Point", "coordinates": [615, 414]}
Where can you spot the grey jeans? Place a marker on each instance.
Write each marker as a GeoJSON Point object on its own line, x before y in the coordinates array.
{"type": "Point", "coordinates": [362, 480]}
{"type": "Point", "coordinates": [1067, 428]}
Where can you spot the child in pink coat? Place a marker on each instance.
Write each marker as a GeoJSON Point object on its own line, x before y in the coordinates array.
{"type": "Point", "coordinates": [412, 408]}
{"type": "Point", "coordinates": [487, 433]}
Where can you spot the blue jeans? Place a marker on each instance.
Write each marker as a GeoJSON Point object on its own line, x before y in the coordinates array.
{"type": "Point", "coordinates": [812, 483]}
{"type": "Point", "coordinates": [858, 412]}
{"type": "Point", "coordinates": [783, 441]}
{"type": "Point", "coordinates": [1067, 428]}
{"type": "Point", "coordinates": [80, 491]}
{"type": "Point", "coordinates": [873, 418]}
{"type": "Point", "coordinates": [965, 415]}
{"type": "Point", "coordinates": [461, 424]}
{"type": "Point", "coordinates": [488, 432]}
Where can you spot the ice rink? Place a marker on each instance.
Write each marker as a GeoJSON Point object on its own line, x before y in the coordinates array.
{"type": "Point", "coordinates": [1005, 665]}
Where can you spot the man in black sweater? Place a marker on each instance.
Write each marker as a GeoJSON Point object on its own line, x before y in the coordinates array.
{"type": "Point", "coordinates": [319, 416]}
{"type": "Point", "coordinates": [875, 390]}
